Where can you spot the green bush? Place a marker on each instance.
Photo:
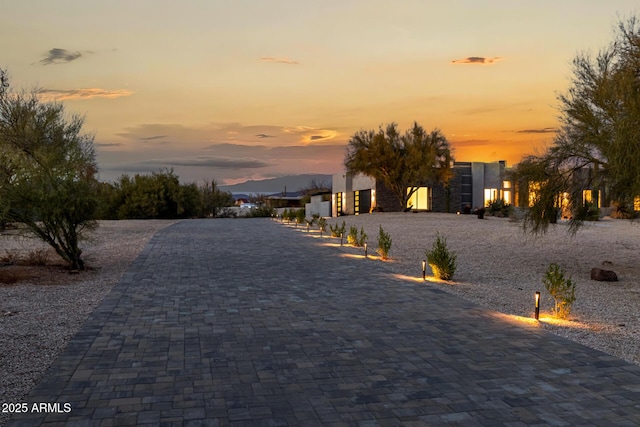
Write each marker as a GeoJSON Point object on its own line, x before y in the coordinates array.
{"type": "Point", "coordinates": [441, 261]}
{"type": "Point", "coordinates": [260, 212]}
{"type": "Point", "coordinates": [562, 290]}
{"type": "Point", "coordinates": [622, 210]}
{"type": "Point", "coordinates": [499, 208]}
{"type": "Point", "coordinates": [352, 237]}
{"type": "Point", "coordinates": [337, 231]}
{"type": "Point", "coordinates": [356, 239]}
{"type": "Point", "coordinates": [299, 216]}
{"type": "Point", "coordinates": [322, 225]}
{"type": "Point", "coordinates": [384, 243]}
{"type": "Point", "coordinates": [588, 212]}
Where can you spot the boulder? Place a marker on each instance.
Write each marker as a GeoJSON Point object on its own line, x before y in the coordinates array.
{"type": "Point", "coordinates": [603, 275]}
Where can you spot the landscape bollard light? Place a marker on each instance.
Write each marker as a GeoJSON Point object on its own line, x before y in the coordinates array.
{"type": "Point", "coordinates": [365, 250]}
{"type": "Point", "coordinates": [308, 227]}
{"type": "Point", "coordinates": [537, 314]}
{"type": "Point", "coordinates": [341, 235]}
{"type": "Point", "coordinates": [424, 269]}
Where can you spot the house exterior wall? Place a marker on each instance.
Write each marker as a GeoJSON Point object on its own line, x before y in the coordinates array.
{"type": "Point", "coordinates": [465, 188]}
{"type": "Point", "coordinates": [386, 200]}
{"type": "Point", "coordinates": [317, 206]}
{"type": "Point", "coordinates": [344, 186]}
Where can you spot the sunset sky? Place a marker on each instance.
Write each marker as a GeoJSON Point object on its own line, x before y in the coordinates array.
{"type": "Point", "coordinates": [249, 89]}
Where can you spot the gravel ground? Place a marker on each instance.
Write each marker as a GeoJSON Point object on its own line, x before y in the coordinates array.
{"type": "Point", "coordinates": [39, 314]}
{"type": "Point", "coordinates": [501, 268]}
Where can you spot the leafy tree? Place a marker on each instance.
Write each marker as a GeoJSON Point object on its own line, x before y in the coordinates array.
{"type": "Point", "coordinates": [159, 195]}
{"type": "Point", "coordinates": [47, 171]}
{"type": "Point", "coordinates": [598, 143]}
{"type": "Point", "coordinates": [214, 199]}
{"type": "Point", "coordinates": [400, 162]}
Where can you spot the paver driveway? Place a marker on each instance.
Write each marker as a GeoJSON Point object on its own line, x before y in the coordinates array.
{"type": "Point", "coordinates": [248, 322]}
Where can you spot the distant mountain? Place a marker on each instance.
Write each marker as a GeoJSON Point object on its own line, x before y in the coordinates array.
{"type": "Point", "coordinates": [292, 183]}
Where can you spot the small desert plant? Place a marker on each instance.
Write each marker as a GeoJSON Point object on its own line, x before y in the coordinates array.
{"type": "Point", "coordinates": [561, 288]}
{"type": "Point", "coordinates": [262, 211]}
{"type": "Point", "coordinates": [322, 225]}
{"type": "Point", "coordinates": [10, 257]}
{"type": "Point", "coordinates": [356, 239]}
{"type": "Point", "coordinates": [37, 257]}
{"type": "Point", "coordinates": [227, 213]}
{"type": "Point", "coordinates": [588, 212]}
{"type": "Point", "coordinates": [622, 211]}
{"type": "Point", "coordinates": [338, 230]}
{"type": "Point", "coordinates": [314, 218]}
{"type": "Point", "coordinates": [299, 216]}
{"type": "Point", "coordinates": [352, 237]}
{"type": "Point", "coordinates": [362, 239]}
{"type": "Point", "coordinates": [384, 243]}
{"type": "Point", "coordinates": [499, 208]}
{"type": "Point", "coordinates": [441, 261]}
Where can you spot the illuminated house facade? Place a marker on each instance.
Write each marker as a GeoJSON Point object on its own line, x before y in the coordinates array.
{"type": "Point", "coordinates": [473, 185]}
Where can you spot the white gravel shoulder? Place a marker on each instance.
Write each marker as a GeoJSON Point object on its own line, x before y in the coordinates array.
{"type": "Point", "coordinates": [500, 267]}
{"type": "Point", "coordinates": [37, 321]}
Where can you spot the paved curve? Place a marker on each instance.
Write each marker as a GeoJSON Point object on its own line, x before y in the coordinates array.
{"type": "Point", "coordinates": [248, 322]}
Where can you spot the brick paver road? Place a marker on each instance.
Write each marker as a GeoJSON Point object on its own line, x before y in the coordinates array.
{"type": "Point", "coordinates": [248, 322]}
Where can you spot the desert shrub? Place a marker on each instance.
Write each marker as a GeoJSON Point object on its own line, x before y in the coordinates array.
{"type": "Point", "coordinates": [499, 208]}
{"type": "Point", "coordinates": [384, 243]}
{"type": "Point", "coordinates": [227, 213]}
{"type": "Point", "coordinates": [561, 288]}
{"type": "Point", "coordinates": [336, 230]}
{"type": "Point", "coordinates": [38, 257]}
{"type": "Point", "coordinates": [352, 237]}
{"type": "Point", "coordinates": [622, 211]}
{"type": "Point", "coordinates": [441, 260]}
{"type": "Point", "coordinates": [10, 257]}
{"type": "Point", "coordinates": [314, 218]}
{"type": "Point", "coordinates": [356, 239]}
{"type": "Point", "coordinates": [322, 225]}
{"type": "Point", "coordinates": [299, 216]}
{"type": "Point", "coordinates": [588, 212]}
{"type": "Point", "coordinates": [260, 212]}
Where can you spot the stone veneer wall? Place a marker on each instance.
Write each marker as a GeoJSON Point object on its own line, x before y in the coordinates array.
{"type": "Point", "coordinates": [385, 199]}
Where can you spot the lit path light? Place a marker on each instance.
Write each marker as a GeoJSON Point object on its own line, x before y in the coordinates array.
{"type": "Point", "coordinates": [365, 250]}
{"type": "Point", "coordinates": [537, 312]}
{"type": "Point", "coordinates": [424, 269]}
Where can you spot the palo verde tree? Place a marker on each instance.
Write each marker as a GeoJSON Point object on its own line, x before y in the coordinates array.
{"type": "Point", "coordinates": [598, 143]}
{"type": "Point", "coordinates": [47, 171]}
{"type": "Point", "coordinates": [402, 162]}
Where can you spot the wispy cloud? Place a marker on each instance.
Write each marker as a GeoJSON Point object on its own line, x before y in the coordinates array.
{"type": "Point", "coordinates": [543, 130]}
{"type": "Point", "coordinates": [316, 137]}
{"type": "Point", "coordinates": [282, 60]}
{"type": "Point", "coordinates": [472, 143]}
{"type": "Point", "coordinates": [152, 138]}
{"type": "Point", "coordinates": [76, 94]}
{"type": "Point", "coordinates": [476, 60]}
{"type": "Point", "coordinates": [59, 56]}
{"type": "Point", "coordinates": [262, 135]}
{"type": "Point", "coordinates": [108, 144]}
{"type": "Point", "coordinates": [214, 162]}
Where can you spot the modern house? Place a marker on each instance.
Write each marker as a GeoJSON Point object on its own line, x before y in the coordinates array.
{"type": "Point", "coordinates": [473, 185]}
